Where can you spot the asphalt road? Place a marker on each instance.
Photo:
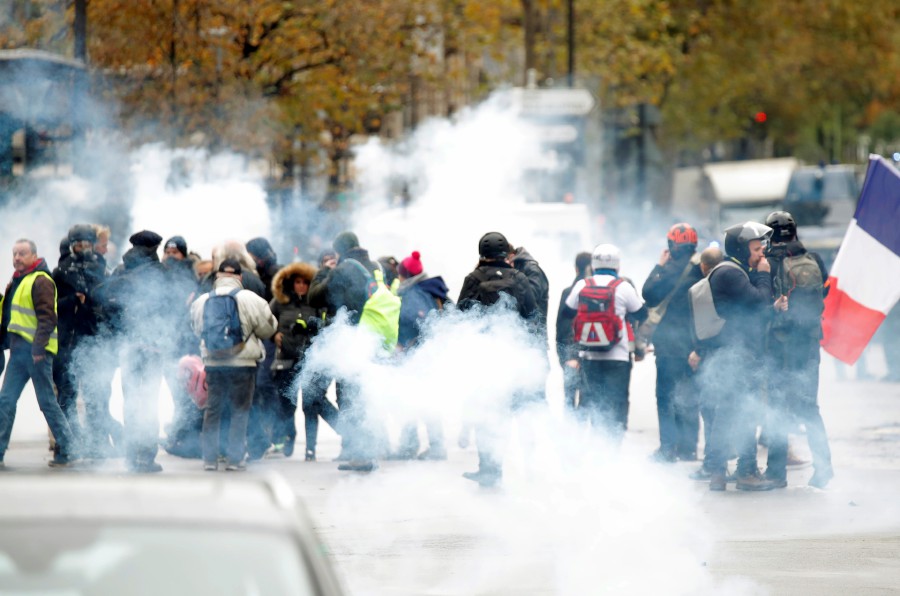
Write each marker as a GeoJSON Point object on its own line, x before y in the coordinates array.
{"type": "Point", "coordinates": [577, 517]}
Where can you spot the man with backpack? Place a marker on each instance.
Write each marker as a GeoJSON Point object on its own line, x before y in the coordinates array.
{"type": "Point", "coordinates": [666, 293]}
{"type": "Point", "coordinates": [495, 282]}
{"type": "Point", "coordinates": [730, 310]}
{"type": "Point", "coordinates": [231, 323]}
{"type": "Point", "coordinates": [793, 351]}
{"type": "Point", "coordinates": [600, 351]}
{"type": "Point", "coordinates": [356, 284]}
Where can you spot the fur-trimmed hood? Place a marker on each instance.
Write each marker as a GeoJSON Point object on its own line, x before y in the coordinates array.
{"type": "Point", "coordinates": [279, 290]}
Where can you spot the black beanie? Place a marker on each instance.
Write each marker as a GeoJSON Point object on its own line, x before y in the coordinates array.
{"type": "Point", "coordinates": [179, 243]}
{"type": "Point", "coordinates": [344, 242]}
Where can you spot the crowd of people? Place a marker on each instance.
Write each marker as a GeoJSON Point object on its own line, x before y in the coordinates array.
{"type": "Point", "coordinates": [230, 335]}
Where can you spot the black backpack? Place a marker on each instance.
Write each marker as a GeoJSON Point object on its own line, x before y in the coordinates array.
{"type": "Point", "coordinates": [494, 283]}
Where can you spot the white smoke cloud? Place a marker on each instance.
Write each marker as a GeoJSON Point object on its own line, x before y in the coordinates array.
{"type": "Point", "coordinates": [575, 512]}
{"type": "Point", "coordinates": [204, 198]}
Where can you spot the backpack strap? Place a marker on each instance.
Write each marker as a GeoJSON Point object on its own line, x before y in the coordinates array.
{"type": "Point", "coordinates": [730, 265]}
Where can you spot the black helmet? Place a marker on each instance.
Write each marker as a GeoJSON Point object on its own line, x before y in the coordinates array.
{"type": "Point", "coordinates": [739, 236]}
{"type": "Point", "coordinates": [784, 228]}
{"type": "Point", "coordinates": [81, 232]}
{"type": "Point", "coordinates": [493, 245]}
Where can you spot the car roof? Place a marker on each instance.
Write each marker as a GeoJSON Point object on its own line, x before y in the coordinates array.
{"type": "Point", "coordinates": [258, 501]}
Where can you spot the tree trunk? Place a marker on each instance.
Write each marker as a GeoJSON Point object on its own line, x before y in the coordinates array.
{"type": "Point", "coordinates": [530, 26]}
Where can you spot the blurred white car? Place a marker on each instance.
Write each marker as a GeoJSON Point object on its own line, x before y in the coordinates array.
{"type": "Point", "coordinates": [80, 534]}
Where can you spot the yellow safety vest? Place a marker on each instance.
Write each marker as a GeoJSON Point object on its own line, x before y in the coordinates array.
{"type": "Point", "coordinates": [22, 318]}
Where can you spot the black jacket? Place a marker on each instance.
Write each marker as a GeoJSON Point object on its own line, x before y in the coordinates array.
{"type": "Point", "coordinates": [137, 302]}
{"type": "Point", "coordinates": [540, 287]}
{"type": "Point", "coordinates": [522, 291]}
{"type": "Point", "coordinates": [805, 305]}
{"type": "Point", "coordinates": [565, 319]}
{"type": "Point", "coordinates": [672, 337]}
{"type": "Point", "coordinates": [183, 290]}
{"type": "Point", "coordinates": [345, 286]}
{"type": "Point", "coordinates": [76, 275]}
{"type": "Point", "coordinates": [289, 309]}
{"type": "Point", "coordinates": [744, 300]}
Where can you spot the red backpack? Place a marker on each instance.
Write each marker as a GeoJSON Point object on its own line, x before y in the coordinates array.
{"type": "Point", "coordinates": [192, 376]}
{"type": "Point", "coordinates": [597, 326]}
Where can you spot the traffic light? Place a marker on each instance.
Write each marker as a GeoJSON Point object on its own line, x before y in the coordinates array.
{"type": "Point", "coordinates": [759, 125]}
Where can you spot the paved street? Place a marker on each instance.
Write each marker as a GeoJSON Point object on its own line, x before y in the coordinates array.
{"type": "Point", "coordinates": [575, 517]}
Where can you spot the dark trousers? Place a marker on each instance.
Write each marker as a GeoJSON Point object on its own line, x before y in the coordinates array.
{"type": "Point", "coordinates": [141, 381]}
{"type": "Point", "coordinates": [735, 377]}
{"type": "Point", "coordinates": [263, 411]}
{"type": "Point", "coordinates": [361, 436]}
{"type": "Point", "coordinates": [570, 386]}
{"type": "Point", "coordinates": [677, 406]}
{"type": "Point", "coordinates": [231, 385]}
{"type": "Point", "coordinates": [94, 366]}
{"type": "Point", "coordinates": [66, 389]}
{"type": "Point", "coordinates": [20, 368]}
{"type": "Point", "coordinates": [793, 398]}
{"type": "Point", "coordinates": [604, 394]}
{"type": "Point", "coordinates": [314, 403]}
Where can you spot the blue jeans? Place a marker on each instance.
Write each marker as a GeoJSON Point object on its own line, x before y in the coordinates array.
{"type": "Point", "coordinates": [19, 370]}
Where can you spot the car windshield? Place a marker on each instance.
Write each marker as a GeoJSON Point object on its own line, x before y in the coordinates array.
{"type": "Point", "coordinates": [81, 559]}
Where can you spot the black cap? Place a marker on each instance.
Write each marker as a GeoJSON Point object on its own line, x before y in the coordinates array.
{"type": "Point", "coordinates": [344, 242]}
{"type": "Point", "coordinates": [178, 242]}
{"type": "Point", "coordinates": [145, 238]}
{"type": "Point", "coordinates": [230, 266]}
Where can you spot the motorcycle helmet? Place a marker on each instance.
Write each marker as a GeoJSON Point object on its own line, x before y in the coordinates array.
{"type": "Point", "coordinates": [739, 236]}
{"type": "Point", "coordinates": [784, 228]}
{"type": "Point", "coordinates": [682, 239]}
{"type": "Point", "coordinates": [605, 256]}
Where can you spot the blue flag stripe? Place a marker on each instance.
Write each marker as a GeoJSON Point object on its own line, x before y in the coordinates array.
{"type": "Point", "coordinates": [878, 211]}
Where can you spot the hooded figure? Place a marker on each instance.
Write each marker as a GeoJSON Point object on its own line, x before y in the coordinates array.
{"type": "Point", "coordinates": [298, 323]}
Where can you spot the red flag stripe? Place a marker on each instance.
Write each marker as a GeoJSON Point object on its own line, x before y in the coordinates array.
{"type": "Point", "coordinates": [847, 325]}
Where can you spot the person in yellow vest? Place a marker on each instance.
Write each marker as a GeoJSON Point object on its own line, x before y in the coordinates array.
{"type": "Point", "coordinates": [28, 329]}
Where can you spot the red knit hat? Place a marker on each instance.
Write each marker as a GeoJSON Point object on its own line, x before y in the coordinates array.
{"type": "Point", "coordinates": [411, 265]}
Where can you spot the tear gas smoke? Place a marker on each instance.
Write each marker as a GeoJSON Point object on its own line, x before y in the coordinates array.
{"type": "Point", "coordinates": [575, 512]}
{"type": "Point", "coordinates": [188, 192]}
{"type": "Point", "coordinates": [204, 198]}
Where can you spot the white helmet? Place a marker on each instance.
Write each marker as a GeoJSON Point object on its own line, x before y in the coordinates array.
{"type": "Point", "coordinates": [605, 256]}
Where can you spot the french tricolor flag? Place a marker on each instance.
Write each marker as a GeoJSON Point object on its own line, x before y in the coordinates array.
{"type": "Point", "coordinates": [864, 283]}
